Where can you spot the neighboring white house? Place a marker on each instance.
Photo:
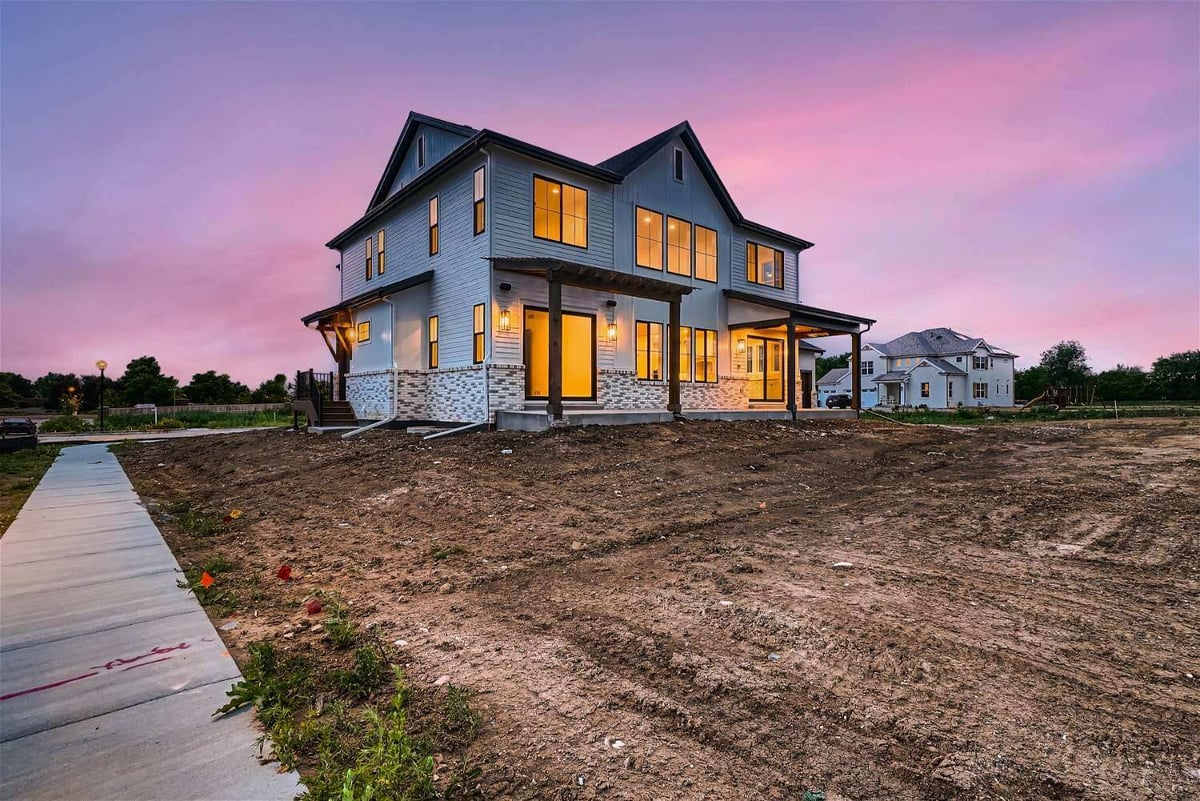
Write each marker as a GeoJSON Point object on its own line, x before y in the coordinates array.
{"type": "Point", "coordinates": [938, 367]}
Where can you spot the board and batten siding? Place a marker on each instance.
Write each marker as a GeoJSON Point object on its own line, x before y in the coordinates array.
{"type": "Point", "coordinates": [512, 212]}
{"type": "Point", "coordinates": [438, 144]}
{"type": "Point", "coordinates": [460, 278]}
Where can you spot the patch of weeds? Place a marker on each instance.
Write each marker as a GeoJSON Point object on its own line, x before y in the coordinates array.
{"type": "Point", "coordinates": [216, 597]}
{"type": "Point", "coordinates": [340, 631]}
{"type": "Point", "coordinates": [439, 552]}
{"type": "Point", "coordinates": [366, 676]}
{"type": "Point", "coordinates": [391, 763]}
{"type": "Point", "coordinates": [459, 722]}
{"type": "Point", "coordinates": [200, 524]}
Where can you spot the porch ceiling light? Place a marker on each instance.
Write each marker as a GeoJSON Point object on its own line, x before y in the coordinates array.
{"type": "Point", "coordinates": [505, 320]}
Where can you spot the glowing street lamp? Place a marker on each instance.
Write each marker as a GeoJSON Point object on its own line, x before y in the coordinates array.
{"type": "Point", "coordinates": [101, 365]}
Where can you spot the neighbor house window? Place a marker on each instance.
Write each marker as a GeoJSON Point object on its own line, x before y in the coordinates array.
{"type": "Point", "coordinates": [380, 264]}
{"type": "Point", "coordinates": [560, 212]}
{"type": "Point", "coordinates": [979, 362]}
{"type": "Point", "coordinates": [649, 239]}
{"type": "Point", "coordinates": [679, 246]}
{"type": "Point", "coordinates": [433, 342]}
{"type": "Point", "coordinates": [480, 202]}
{"type": "Point", "coordinates": [924, 389]}
{"type": "Point", "coordinates": [369, 254]}
{"type": "Point", "coordinates": [706, 253]}
{"type": "Point", "coordinates": [949, 389]}
{"type": "Point", "coordinates": [649, 350]}
{"type": "Point", "coordinates": [477, 341]}
{"type": "Point", "coordinates": [706, 355]}
{"type": "Point", "coordinates": [433, 225]}
{"type": "Point", "coordinates": [364, 331]}
{"type": "Point", "coordinates": [868, 368]}
{"type": "Point", "coordinates": [677, 164]}
{"type": "Point", "coordinates": [420, 151]}
{"type": "Point", "coordinates": [764, 265]}
{"type": "Point", "coordinates": [980, 389]}
{"type": "Point", "coordinates": [685, 352]}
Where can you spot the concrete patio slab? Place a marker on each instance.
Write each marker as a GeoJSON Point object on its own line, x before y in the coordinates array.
{"type": "Point", "coordinates": [109, 673]}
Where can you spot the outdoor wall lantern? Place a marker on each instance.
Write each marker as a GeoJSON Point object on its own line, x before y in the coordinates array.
{"type": "Point", "coordinates": [741, 346]}
{"type": "Point", "coordinates": [505, 320]}
{"type": "Point", "coordinates": [612, 332]}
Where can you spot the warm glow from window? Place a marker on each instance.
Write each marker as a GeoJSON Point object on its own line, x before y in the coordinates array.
{"type": "Point", "coordinates": [706, 253]}
{"type": "Point", "coordinates": [364, 332]}
{"type": "Point", "coordinates": [560, 212]}
{"type": "Point", "coordinates": [477, 342]}
{"type": "Point", "coordinates": [685, 353]}
{"type": "Point", "coordinates": [679, 246]}
{"type": "Point", "coordinates": [433, 226]}
{"type": "Point", "coordinates": [649, 351]}
{"type": "Point", "coordinates": [649, 239]}
{"type": "Point", "coordinates": [480, 208]}
{"type": "Point", "coordinates": [433, 342]}
{"type": "Point", "coordinates": [764, 265]}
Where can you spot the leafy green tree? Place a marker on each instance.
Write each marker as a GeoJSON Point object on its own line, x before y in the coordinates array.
{"type": "Point", "coordinates": [144, 382]}
{"type": "Point", "coordinates": [18, 385]}
{"type": "Point", "coordinates": [827, 363]}
{"type": "Point", "coordinates": [1066, 364]}
{"type": "Point", "coordinates": [89, 391]}
{"type": "Point", "coordinates": [1029, 383]}
{"type": "Point", "coordinates": [1177, 377]}
{"type": "Point", "coordinates": [1121, 383]}
{"type": "Point", "coordinates": [52, 387]}
{"type": "Point", "coordinates": [8, 398]}
{"type": "Point", "coordinates": [210, 387]}
{"type": "Point", "coordinates": [274, 390]}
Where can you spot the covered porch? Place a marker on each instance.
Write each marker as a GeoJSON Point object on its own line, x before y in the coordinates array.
{"type": "Point", "coordinates": [755, 318]}
{"type": "Point", "coordinates": [559, 273]}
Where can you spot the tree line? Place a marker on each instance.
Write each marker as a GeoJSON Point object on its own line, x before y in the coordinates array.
{"type": "Point", "coordinates": [1175, 377]}
{"type": "Point", "coordinates": [142, 382]}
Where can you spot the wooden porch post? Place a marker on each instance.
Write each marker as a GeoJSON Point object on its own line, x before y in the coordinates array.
{"type": "Point", "coordinates": [555, 404]}
{"type": "Point", "coordinates": [855, 369]}
{"type": "Point", "coordinates": [673, 404]}
{"type": "Point", "coordinates": [791, 368]}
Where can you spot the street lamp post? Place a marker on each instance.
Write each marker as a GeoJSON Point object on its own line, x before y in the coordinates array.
{"type": "Point", "coordinates": [102, 365]}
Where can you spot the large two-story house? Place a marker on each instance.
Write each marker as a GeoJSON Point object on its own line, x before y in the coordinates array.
{"type": "Point", "coordinates": [938, 367]}
{"type": "Point", "coordinates": [491, 277]}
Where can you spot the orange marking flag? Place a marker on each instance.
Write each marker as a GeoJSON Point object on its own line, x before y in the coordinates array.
{"type": "Point", "coordinates": [206, 580]}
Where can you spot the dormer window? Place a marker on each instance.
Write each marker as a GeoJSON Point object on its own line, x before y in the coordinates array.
{"type": "Point", "coordinates": [677, 164]}
{"type": "Point", "coordinates": [420, 151]}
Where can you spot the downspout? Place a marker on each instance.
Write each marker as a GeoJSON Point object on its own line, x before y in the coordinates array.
{"type": "Point", "coordinates": [489, 319]}
{"type": "Point", "coordinates": [393, 415]}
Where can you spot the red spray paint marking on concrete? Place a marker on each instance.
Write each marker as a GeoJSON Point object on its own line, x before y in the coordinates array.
{"type": "Point", "coordinates": [112, 664]}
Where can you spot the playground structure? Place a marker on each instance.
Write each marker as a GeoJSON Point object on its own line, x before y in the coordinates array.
{"type": "Point", "coordinates": [1056, 397]}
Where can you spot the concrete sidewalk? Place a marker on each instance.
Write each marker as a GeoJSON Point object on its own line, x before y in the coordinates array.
{"type": "Point", "coordinates": [109, 673]}
{"type": "Point", "coordinates": [142, 436]}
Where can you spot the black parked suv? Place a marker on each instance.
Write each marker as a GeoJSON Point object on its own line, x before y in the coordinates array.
{"type": "Point", "coordinates": [837, 402]}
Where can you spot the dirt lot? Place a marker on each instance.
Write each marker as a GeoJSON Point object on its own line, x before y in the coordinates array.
{"type": "Point", "coordinates": [1021, 618]}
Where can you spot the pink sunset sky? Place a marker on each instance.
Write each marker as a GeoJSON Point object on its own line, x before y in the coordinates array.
{"type": "Point", "coordinates": [1023, 172]}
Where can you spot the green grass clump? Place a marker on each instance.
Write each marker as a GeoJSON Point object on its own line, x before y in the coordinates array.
{"type": "Point", "coordinates": [20, 472]}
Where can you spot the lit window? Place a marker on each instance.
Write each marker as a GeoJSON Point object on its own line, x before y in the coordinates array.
{"type": "Point", "coordinates": [380, 264]}
{"type": "Point", "coordinates": [924, 389]}
{"type": "Point", "coordinates": [477, 344]}
{"type": "Point", "coordinates": [764, 265]}
{"type": "Point", "coordinates": [649, 351]}
{"type": "Point", "coordinates": [480, 202]}
{"type": "Point", "coordinates": [685, 352]}
{"type": "Point", "coordinates": [368, 253]}
{"type": "Point", "coordinates": [679, 246]}
{"type": "Point", "coordinates": [364, 331]}
{"type": "Point", "coordinates": [677, 165]}
{"type": "Point", "coordinates": [420, 151]}
{"type": "Point", "coordinates": [433, 342]}
{"type": "Point", "coordinates": [433, 225]}
{"type": "Point", "coordinates": [706, 356]}
{"type": "Point", "coordinates": [649, 239]}
{"type": "Point", "coordinates": [560, 212]}
{"type": "Point", "coordinates": [706, 253]}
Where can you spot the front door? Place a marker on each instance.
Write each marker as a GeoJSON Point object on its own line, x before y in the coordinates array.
{"type": "Point", "coordinates": [806, 386]}
{"type": "Point", "coordinates": [578, 355]}
{"type": "Point", "coordinates": [764, 368]}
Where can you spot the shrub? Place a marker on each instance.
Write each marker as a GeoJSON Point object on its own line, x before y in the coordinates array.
{"type": "Point", "coordinates": [66, 424]}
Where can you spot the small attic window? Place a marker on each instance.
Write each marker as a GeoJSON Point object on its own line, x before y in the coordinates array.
{"type": "Point", "coordinates": [420, 151]}
{"type": "Point", "coordinates": [677, 164]}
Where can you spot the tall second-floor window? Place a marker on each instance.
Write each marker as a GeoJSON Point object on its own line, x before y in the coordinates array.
{"type": "Point", "coordinates": [369, 252]}
{"type": "Point", "coordinates": [477, 337]}
{"type": "Point", "coordinates": [677, 164]}
{"type": "Point", "coordinates": [480, 201]}
{"type": "Point", "coordinates": [433, 225]}
{"type": "Point", "coordinates": [560, 212]}
{"type": "Point", "coordinates": [649, 239]}
{"type": "Point", "coordinates": [764, 265]}
{"type": "Point", "coordinates": [380, 261]}
{"type": "Point", "coordinates": [679, 246]}
{"type": "Point", "coordinates": [706, 253]}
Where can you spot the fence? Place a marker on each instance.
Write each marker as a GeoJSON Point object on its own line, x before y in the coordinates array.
{"type": "Point", "coordinates": [202, 407]}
